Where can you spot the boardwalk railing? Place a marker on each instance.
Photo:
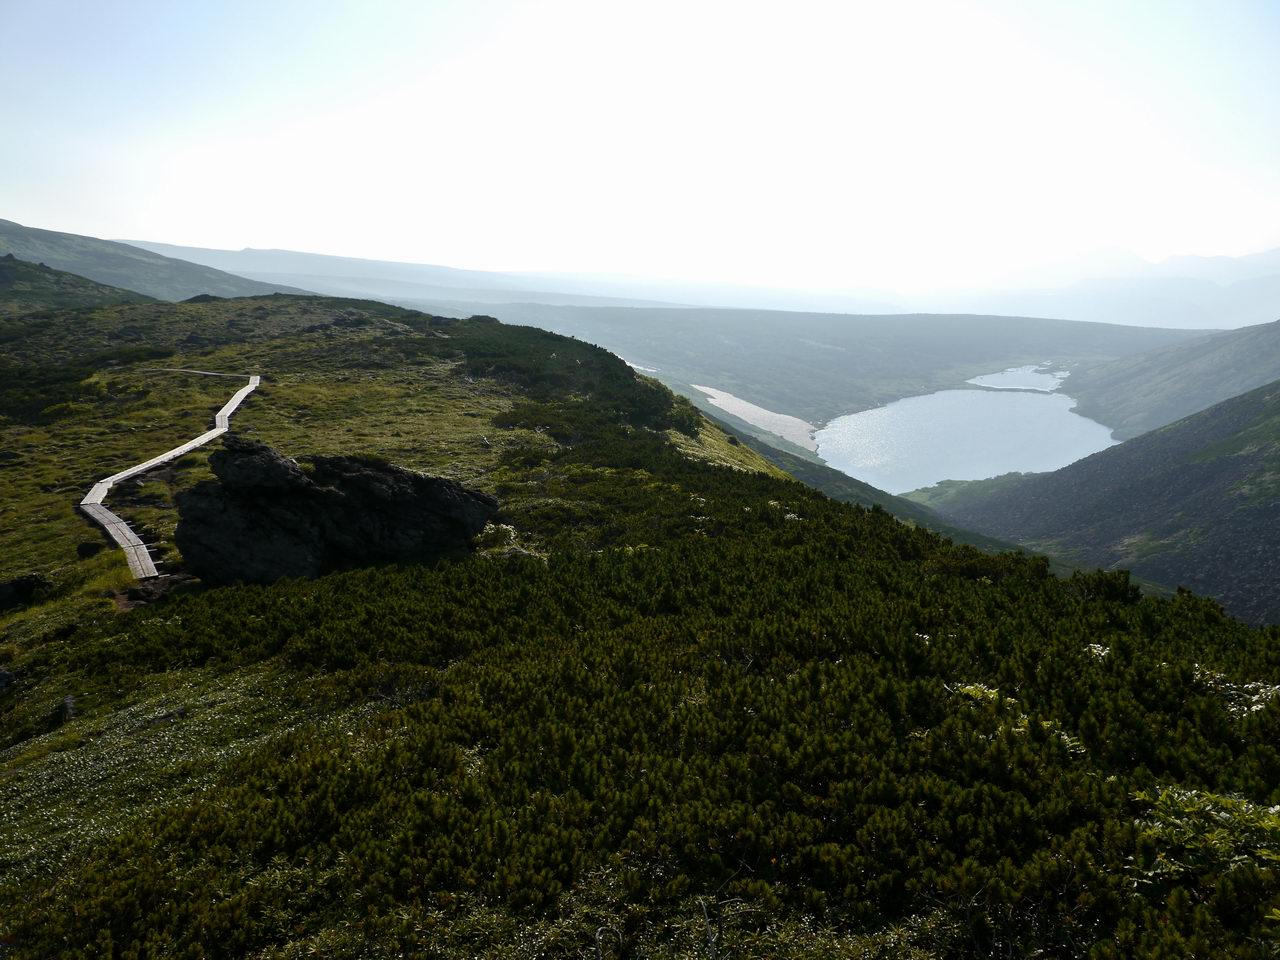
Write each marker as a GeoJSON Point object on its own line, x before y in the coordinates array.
{"type": "Point", "coordinates": [135, 551]}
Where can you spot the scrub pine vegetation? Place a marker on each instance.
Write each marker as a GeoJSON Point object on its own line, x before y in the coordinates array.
{"type": "Point", "coordinates": [675, 703]}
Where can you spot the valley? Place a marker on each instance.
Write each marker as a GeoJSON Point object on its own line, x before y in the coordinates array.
{"type": "Point", "coordinates": [817, 366]}
{"type": "Point", "coordinates": [664, 659]}
{"type": "Point", "coordinates": [898, 403]}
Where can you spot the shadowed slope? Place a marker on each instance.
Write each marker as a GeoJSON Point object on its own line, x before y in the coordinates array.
{"type": "Point", "coordinates": [1196, 503]}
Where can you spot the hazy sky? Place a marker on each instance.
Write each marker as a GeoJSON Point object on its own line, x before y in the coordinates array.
{"type": "Point", "coordinates": [888, 144]}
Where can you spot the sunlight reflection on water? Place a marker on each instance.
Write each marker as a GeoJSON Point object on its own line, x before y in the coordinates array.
{"type": "Point", "coordinates": [959, 435]}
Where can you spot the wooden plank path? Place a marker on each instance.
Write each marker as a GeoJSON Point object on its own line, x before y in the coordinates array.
{"type": "Point", "coordinates": [135, 551]}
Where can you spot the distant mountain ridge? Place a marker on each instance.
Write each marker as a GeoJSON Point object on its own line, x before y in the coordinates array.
{"type": "Point", "coordinates": [432, 286]}
{"type": "Point", "coordinates": [1186, 291]}
{"type": "Point", "coordinates": [1183, 292]}
{"type": "Point", "coordinates": [409, 284]}
{"type": "Point", "coordinates": [1195, 503]}
{"type": "Point", "coordinates": [1149, 301]}
{"type": "Point", "coordinates": [1222, 269]}
{"type": "Point", "coordinates": [127, 267]}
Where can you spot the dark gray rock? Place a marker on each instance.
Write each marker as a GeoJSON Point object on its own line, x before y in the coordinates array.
{"type": "Point", "coordinates": [265, 517]}
{"type": "Point", "coordinates": [20, 591]}
{"type": "Point", "coordinates": [249, 465]}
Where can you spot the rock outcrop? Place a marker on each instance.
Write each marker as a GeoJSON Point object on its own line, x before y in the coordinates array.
{"type": "Point", "coordinates": [265, 517]}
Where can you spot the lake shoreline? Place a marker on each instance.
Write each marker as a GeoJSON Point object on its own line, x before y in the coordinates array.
{"type": "Point", "coordinates": [793, 429]}
{"type": "Point", "coordinates": [1006, 422]}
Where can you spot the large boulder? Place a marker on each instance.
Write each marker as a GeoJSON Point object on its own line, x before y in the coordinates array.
{"type": "Point", "coordinates": [265, 517]}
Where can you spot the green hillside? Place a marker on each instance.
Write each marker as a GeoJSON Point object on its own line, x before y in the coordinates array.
{"type": "Point", "coordinates": [121, 265]}
{"type": "Point", "coordinates": [674, 704]}
{"type": "Point", "coordinates": [1196, 503]}
{"type": "Point", "coordinates": [1138, 393]}
{"type": "Point", "coordinates": [847, 489]}
{"type": "Point", "coordinates": [33, 288]}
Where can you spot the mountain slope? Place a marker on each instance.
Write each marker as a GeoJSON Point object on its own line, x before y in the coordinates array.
{"type": "Point", "coordinates": [1196, 503]}
{"type": "Point", "coordinates": [1138, 393]}
{"type": "Point", "coordinates": [121, 265]}
{"type": "Point", "coordinates": [32, 287]}
{"type": "Point", "coordinates": [673, 702]}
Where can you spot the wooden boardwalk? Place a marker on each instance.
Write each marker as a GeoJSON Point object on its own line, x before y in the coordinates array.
{"type": "Point", "coordinates": [135, 551]}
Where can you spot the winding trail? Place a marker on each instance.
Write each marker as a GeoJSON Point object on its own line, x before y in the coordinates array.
{"type": "Point", "coordinates": [140, 563]}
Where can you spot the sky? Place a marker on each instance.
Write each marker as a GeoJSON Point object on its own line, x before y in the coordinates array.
{"type": "Point", "coordinates": [908, 146]}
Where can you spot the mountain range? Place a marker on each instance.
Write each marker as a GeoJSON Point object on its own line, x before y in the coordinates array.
{"type": "Point", "coordinates": [1187, 301]}
{"type": "Point", "coordinates": [1182, 292]}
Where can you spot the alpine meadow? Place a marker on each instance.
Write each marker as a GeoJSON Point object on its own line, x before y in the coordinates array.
{"type": "Point", "coordinates": [567, 480]}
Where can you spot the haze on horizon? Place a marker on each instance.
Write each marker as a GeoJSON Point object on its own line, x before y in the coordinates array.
{"type": "Point", "coordinates": [904, 147]}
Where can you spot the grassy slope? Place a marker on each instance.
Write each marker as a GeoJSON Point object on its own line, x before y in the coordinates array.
{"type": "Point", "coordinates": [842, 487]}
{"type": "Point", "coordinates": [952, 495]}
{"type": "Point", "coordinates": [1194, 503]}
{"type": "Point", "coordinates": [336, 380]}
{"type": "Point", "coordinates": [714, 706]}
{"type": "Point", "coordinates": [121, 265]}
{"type": "Point", "coordinates": [818, 366]}
{"type": "Point", "coordinates": [1139, 393]}
{"type": "Point", "coordinates": [33, 288]}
